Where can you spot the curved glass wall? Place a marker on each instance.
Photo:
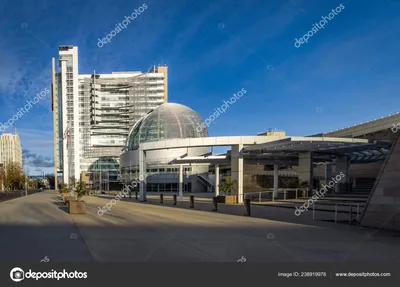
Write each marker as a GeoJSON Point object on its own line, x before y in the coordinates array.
{"type": "Point", "coordinates": [168, 121]}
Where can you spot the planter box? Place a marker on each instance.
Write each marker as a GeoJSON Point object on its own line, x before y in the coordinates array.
{"type": "Point", "coordinates": [227, 199]}
{"type": "Point", "coordinates": [230, 199]}
{"type": "Point", "coordinates": [76, 207]}
{"type": "Point", "coordinates": [69, 198]}
{"type": "Point", "coordinates": [221, 198]}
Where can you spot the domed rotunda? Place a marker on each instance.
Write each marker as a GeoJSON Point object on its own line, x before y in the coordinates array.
{"type": "Point", "coordinates": [168, 121]}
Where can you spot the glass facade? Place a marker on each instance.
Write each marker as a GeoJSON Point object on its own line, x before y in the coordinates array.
{"type": "Point", "coordinates": [168, 121]}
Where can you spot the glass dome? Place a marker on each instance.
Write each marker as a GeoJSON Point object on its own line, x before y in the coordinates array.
{"type": "Point", "coordinates": [168, 121]}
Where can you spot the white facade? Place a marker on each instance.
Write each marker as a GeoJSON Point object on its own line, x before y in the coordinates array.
{"type": "Point", "coordinates": [96, 111]}
{"type": "Point", "coordinates": [68, 93]}
{"type": "Point", "coordinates": [10, 149]}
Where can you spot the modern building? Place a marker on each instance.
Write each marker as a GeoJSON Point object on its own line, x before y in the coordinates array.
{"type": "Point", "coordinates": [10, 149]}
{"type": "Point", "coordinates": [93, 114]}
{"type": "Point", "coordinates": [165, 148]}
{"type": "Point", "coordinates": [168, 121]}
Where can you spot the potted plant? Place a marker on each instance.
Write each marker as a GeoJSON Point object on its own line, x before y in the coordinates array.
{"type": "Point", "coordinates": [77, 206]}
{"type": "Point", "coordinates": [64, 191]}
{"type": "Point", "coordinates": [304, 184]}
{"type": "Point", "coordinates": [229, 187]}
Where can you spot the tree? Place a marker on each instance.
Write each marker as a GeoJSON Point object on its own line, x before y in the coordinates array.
{"type": "Point", "coordinates": [303, 184]}
{"type": "Point", "coordinates": [228, 185]}
{"type": "Point", "coordinates": [14, 177]}
{"type": "Point", "coordinates": [32, 184]}
{"type": "Point", "coordinates": [64, 188]}
{"type": "Point", "coordinates": [81, 189]}
{"type": "Point", "coordinates": [2, 177]}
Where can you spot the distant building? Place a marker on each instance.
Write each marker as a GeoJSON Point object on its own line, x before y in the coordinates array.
{"type": "Point", "coordinates": [10, 149]}
{"type": "Point", "coordinates": [93, 114]}
{"type": "Point", "coordinates": [271, 132]}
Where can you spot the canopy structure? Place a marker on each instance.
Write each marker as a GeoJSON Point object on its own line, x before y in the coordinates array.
{"type": "Point", "coordinates": [303, 152]}
{"type": "Point", "coordinates": [286, 151]}
{"type": "Point", "coordinates": [323, 149]}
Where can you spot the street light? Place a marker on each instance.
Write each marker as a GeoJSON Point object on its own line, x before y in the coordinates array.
{"type": "Point", "coordinates": [27, 176]}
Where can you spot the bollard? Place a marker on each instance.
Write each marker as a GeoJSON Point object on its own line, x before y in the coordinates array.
{"type": "Point", "coordinates": [284, 194]}
{"type": "Point", "coordinates": [335, 213]}
{"type": "Point", "coordinates": [174, 199]}
{"type": "Point", "coordinates": [161, 198]}
{"type": "Point", "coordinates": [358, 209]}
{"type": "Point", "coordinates": [259, 197]}
{"type": "Point", "coordinates": [273, 196]}
{"type": "Point", "coordinates": [130, 194]}
{"type": "Point", "coordinates": [136, 195]}
{"type": "Point", "coordinates": [350, 213]}
{"type": "Point", "coordinates": [191, 201]}
{"type": "Point", "coordinates": [297, 191]}
{"type": "Point", "coordinates": [215, 204]}
{"type": "Point", "coordinates": [247, 211]}
{"type": "Point", "coordinates": [313, 211]}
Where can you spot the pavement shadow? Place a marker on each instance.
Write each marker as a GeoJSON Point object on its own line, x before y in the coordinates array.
{"type": "Point", "coordinates": [62, 206]}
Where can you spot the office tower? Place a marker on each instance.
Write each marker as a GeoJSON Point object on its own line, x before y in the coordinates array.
{"type": "Point", "coordinates": [10, 149]}
{"type": "Point", "coordinates": [94, 112]}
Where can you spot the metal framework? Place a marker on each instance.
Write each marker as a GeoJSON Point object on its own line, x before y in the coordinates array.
{"type": "Point", "coordinates": [134, 97]}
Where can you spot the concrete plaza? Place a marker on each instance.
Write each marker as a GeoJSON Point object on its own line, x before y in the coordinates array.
{"type": "Point", "coordinates": [37, 226]}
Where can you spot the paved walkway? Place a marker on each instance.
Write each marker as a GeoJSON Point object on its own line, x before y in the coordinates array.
{"type": "Point", "coordinates": [34, 227]}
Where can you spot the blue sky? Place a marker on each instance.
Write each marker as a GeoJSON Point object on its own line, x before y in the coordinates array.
{"type": "Point", "coordinates": [347, 73]}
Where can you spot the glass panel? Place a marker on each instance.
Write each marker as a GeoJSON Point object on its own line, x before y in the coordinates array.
{"type": "Point", "coordinates": [168, 121]}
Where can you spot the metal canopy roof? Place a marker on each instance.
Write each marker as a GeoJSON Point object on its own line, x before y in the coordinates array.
{"type": "Point", "coordinates": [286, 151]}
{"type": "Point", "coordinates": [325, 149]}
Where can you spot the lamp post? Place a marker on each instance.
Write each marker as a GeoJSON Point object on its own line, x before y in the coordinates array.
{"type": "Point", "coordinates": [26, 181]}
{"type": "Point", "coordinates": [27, 175]}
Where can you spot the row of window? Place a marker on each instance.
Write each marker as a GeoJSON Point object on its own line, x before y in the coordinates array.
{"type": "Point", "coordinates": [160, 170]}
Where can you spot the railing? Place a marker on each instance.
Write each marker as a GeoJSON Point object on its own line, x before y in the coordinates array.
{"type": "Point", "coordinates": [206, 180]}
{"type": "Point", "coordinates": [285, 194]}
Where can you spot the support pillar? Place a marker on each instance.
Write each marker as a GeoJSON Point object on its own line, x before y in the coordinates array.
{"type": "Point", "coordinates": [328, 173]}
{"type": "Point", "coordinates": [237, 169]}
{"type": "Point", "coordinates": [342, 165]}
{"type": "Point", "coordinates": [276, 180]}
{"type": "Point", "coordinates": [180, 183]}
{"type": "Point", "coordinates": [305, 170]}
{"type": "Point", "coordinates": [142, 172]}
{"type": "Point", "coordinates": [216, 180]}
